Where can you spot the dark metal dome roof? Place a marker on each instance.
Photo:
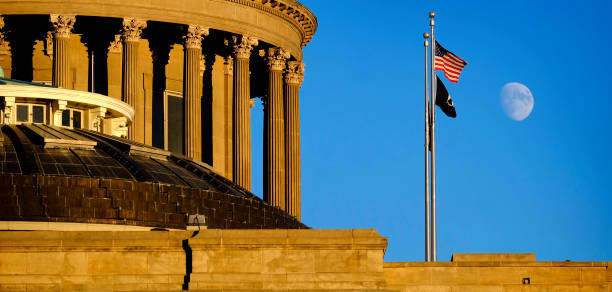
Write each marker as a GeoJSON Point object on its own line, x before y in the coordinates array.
{"type": "Point", "coordinates": [63, 155]}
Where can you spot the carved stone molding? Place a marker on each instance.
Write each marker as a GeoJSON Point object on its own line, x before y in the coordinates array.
{"type": "Point", "coordinates": [294, 74]}
{"type": "Point", "coordinates": [277, 57]}
{"type": "Point", "coordinates": [193, 38]}
{"type": "Point", "coordinates": [228, 66]}
{"type": "Point", "coordinates": [132, 29]}
{"type": "Point", "coordinates": [62, 24]}
{"type": "Point", "coordinates": [244, 46]}
{"type": "Point", "coordinates": [116, 45]}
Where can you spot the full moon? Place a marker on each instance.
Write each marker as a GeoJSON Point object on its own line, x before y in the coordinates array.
{"type": "Point", "coordinates": [516, 100]}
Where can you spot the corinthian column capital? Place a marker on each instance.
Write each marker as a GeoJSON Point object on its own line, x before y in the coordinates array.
{"type": "Point", "coordinates": [194, 35]}
{"type": "Point", "coordinates": [228, 66]}
{"type": "Point", "coordinates": [244, 45]}
{"type": "Point", "coordinates": [277, 57]}
{"type": "Point", "coordinates": [62, 24]}
{"type": "Point", "coordinates": [294, 74]}
{"type": "Point", "coordinates": [3, 44]}
{"type": "Point", "coordinates": [132, 29]}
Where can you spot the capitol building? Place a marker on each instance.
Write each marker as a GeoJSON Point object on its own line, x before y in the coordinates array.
{"type": "Point", "coordinates": [125, 160]}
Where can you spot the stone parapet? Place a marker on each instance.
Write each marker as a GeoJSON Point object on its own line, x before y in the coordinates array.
{"type": "Point", "coordinates": [208, 260]}
{"type": "Point", "coordinates": [92, 261]}
{"type": "Point", "coordinates": [498, 276]}
{"type": "Point", "coordinates": [306, 260]}
{"type": "Point", "coordinates": [261, 260]}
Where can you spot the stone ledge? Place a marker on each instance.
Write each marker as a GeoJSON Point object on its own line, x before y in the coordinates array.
{"type": "Point", "coordinates": [494, 264]}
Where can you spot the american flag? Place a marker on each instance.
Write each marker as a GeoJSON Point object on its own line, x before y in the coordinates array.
{"type": "Point", "coordinates": [449, 63]}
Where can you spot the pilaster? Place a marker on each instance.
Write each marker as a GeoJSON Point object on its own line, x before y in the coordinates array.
{"type": "Point", "coordinates": [242, 116]}
{"type": "Point", "coordinates": [132, 30]}
{"type": "Point", "coordinates": [294, 75]}
{"type": "Point", "coordinates": [62, 27]}
{"type": "Point", "coordinates": [57, 107]}
{"type": "Point", "coordinates": [96, 117]}
{"type": "Point", "coordinates": [192, 90]}
{"type": "Point", "coordinates": [9, 108]}
{"type": "Point", "coordinates": [275, 128]}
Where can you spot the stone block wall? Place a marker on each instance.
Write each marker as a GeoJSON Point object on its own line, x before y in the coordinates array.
{"type": "Point", "coordinates": [264, 260]}
{"type": "Point", "coordinates": [124, 202]}
{"type": "Point", "coordinates": [288, 260]}
{"type": "Point", "coordinates": [208, 260]}
{"type": "Point", "coordinates": [499, 276]}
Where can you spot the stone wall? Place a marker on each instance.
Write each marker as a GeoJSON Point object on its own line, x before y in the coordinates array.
{"type": "Point", "coordinates": [114, 201]}
{"type": "Point", "coordinates": [209, 260]}
{"type": "Point", "coordinates": [265, 260]}
{"type": "Point", "coordinates": [485, 274]}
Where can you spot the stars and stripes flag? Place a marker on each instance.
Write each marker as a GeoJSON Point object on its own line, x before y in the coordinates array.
{"type": "Point", "coordinates": [449, 63]}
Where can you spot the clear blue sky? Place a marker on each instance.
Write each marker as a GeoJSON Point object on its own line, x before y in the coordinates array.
{"type": "Point", "coordinates": [540, 185]}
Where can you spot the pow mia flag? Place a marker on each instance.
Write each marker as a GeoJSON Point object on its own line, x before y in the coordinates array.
{"type": "Point", "coordinates": [443, 99]}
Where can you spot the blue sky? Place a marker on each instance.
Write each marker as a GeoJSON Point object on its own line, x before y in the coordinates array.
{"type": "Point", "coordinates": [540, 185]}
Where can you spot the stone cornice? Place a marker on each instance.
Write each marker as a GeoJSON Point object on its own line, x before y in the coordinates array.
{"type": "Point", "coordinates": [290, 10]}
{"type": "Point", "coordinates": [280, 23]}
{"type": "Point", "coordinates": [82, 97]}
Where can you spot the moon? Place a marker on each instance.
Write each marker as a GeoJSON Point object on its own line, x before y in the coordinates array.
{"type": "Point", "coordinates": [516, 100]}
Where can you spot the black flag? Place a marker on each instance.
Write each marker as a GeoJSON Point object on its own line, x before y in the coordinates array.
{"type": "Point", "coordinates": [443, 99]}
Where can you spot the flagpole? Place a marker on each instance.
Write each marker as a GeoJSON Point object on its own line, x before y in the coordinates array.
{"type": "Point", "coordinates": [427, 202]}
{"type": "Point", "coordinates": [434, 256]}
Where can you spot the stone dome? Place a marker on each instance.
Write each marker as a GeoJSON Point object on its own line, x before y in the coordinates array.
{"type": "Point", "coordinates": [55, 174]}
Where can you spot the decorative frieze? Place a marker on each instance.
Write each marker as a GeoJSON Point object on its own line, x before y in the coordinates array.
{"type": "Point", "coordinates": [193, 37]}
{"type": "Point", "coordinates": [62, 24]}
{"type": "Point", "coordinates": [132, 29]}
{"type": "Point", "coordinates": [244, 46]}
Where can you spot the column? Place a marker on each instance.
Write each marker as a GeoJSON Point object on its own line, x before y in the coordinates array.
{"type": "Point", "coordinates": [132, 29]}
{"type": "Point", "coordinates": [228, 77]}
{"type": "Point", "coordinates": [275, 129]}
{"type": "Point", "coordinates": [293, 79]}
{"type": "Point", "coordinates": [242, 116]}
{"type": "Point", "coordinates": [62, 26]}
{"type": "Point", "coordinates": [192, 91]}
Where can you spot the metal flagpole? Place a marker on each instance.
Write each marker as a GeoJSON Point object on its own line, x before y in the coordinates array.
{"type": "Point", "coordinates": [434, 256]}
{"type": "Point", "coordinates": [427, 202]}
